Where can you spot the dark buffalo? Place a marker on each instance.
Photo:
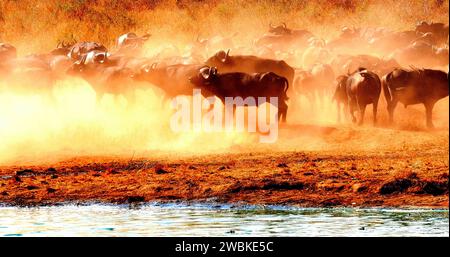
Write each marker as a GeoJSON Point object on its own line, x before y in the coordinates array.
{"type": "Point", "coordinates": [250, 64]}
{"type": "Point", "coordinates": [238, 84]}
{"type": "Point", "coordinates": [356, 91]}
{"type": "Point", "coordinates": [172, 79]}
{"type": "Point", "coordinates": [424, 86]}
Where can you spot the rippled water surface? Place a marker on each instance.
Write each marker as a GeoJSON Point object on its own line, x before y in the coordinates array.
{"type": "Point", "coordinates": [218, 220]}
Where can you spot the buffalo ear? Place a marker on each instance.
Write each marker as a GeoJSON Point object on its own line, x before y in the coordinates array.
{"type": "Point", "coordinates": [213, 71]}
{"type": "Point", "coordinates": [205, 72]}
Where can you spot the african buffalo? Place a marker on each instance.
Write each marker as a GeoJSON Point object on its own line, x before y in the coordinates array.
{"type": "Point", "coordinates": [421, 54]}
{"type": "Point", "coordinates": [172, 79]}
{"type": "Point", "coordinates": [284, 30]}
{"type": "Point", "coordinates": [214, 44]}
{"type": "Point", "coordinates": [78, 50]}
{"type": "Point", "coordinates": [130, 43]}
{"type": "Point", "coordinates": [350, 63]}
{"type": "Point", "coordinates": [423, 86]}
{"type": "Point", "coordinates": [439, 30]}
{"type": "Point", "coordinates": [314, 83]}
{"type": "Point", "coordinates": [356, 91]}
{"type": "Point", "coordinates": [104, 77]}
{"type": "Point", "coordinates": [283, 38]}
{"type": "Point", "coordinates": [238, 84]}
{"type": "Point", "coordinates": [250, 64]}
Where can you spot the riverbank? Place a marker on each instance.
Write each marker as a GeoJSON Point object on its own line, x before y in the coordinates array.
{"type": "Point", "coordinates": [409, 178]}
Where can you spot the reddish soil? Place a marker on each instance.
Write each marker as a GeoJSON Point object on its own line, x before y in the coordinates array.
{"type": "Point", "coordinates": [411, 177]}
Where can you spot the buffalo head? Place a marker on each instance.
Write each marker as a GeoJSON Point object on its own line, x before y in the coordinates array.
{"type": "Point", "coordinates": [340, 93]}
{"type": "Point", "coordinates": [280, 29]}
{"type": "Point", "coordinates": [204, 77]}
{"type": "Point", "coordinates": [131, 39]}
{"type": "Point", "coordinates": [220, 57]}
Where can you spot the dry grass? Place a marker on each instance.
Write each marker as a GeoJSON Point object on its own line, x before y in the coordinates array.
{"type": "Point", "coordinates": [37, 25]}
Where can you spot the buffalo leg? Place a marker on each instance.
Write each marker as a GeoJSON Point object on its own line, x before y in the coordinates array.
{"type": "Point", "coordinates": [338, 104]}
{"type": "Point", "coordinates": [282, 111]}
{"type": "Point", "coordinates": [375, 110]}
{"type": "Point", "coordinates": [362, 111]}
{"type": "Point", "coordinates": [429, 114]}
{"type": "Point", "coordinates": [352, 106]}
{"type": "Point", "coordinates": [391, 107]}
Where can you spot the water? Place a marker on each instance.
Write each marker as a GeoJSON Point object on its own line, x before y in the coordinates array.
{"type": "Point", "coordinates": [218, 220]}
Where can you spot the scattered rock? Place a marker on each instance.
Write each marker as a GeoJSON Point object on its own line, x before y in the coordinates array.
{"type": "Point", "coordinates": [312, 164]}
{"type": "Point", "coordinates": [358, 188]}
{"type": "Point", "coordinates": [331, 202]}
{"type": "Point", "coordinates": [397, 185]}
{"type": "Point", "coordinates": [192, 167]}
{"type": "Point", "coordinates": [25, 172]}
{"type": "Point", "coordinates": [31, 187]}
{"type": "Point", "coordinates": [51, 170]}
{"type": "Point", "coordinates": [135, 199]}
{"type": "Point", "coordinates": [17, 178]}
{"type": "Point", "coordinates": [51, 190]}
{"type": "Point", "coordinates": [4, 193]}
{"type": "Point", "coordinates": [112, 171]}
{"type": "Point", "coordinates": [331, 185]}
{"type": "Point", "coordinates": [435, 188]}
{"type": "Point", "coordinates": [267, 185]}
{"type": "Point", "coordinates": [308, 173]}
{"type": "Point", "coordinates": [223, 168]}
{"type": "Point", "coordinates": [54, 176]}
{"type": "Point", "coordinates": [159, 170]}
{"type": "Point", "coordinates": [282, 165]}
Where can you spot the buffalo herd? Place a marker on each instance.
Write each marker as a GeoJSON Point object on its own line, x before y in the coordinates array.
{"type": "Point", "coordinates": [352, 69]}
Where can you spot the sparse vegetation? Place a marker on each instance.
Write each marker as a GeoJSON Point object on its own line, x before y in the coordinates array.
{"type": "Point", "coordinates": [38, 25]}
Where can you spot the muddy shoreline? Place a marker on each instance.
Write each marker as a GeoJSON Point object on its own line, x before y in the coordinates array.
{"type": "Point", "coordinates": [409, 179]}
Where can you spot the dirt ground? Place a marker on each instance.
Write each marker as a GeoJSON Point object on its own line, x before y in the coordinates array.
{"type": "Point", "coordinates": [343, 166]}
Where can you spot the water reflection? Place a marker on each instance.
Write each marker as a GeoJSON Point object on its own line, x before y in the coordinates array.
{"type": "Point", "coordinates": [218, 220]}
